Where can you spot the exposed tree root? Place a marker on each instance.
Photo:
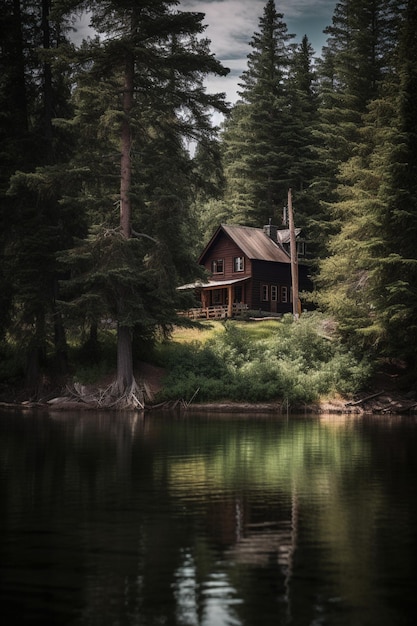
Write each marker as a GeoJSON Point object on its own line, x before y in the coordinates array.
{"type": "Point", "coordinates": [133, 397]}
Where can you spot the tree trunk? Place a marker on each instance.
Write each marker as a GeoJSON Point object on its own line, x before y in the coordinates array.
{"type": "Point", "coordinates": [60, 339]}
{"type": "Point", "coordinates": [124, 336]}
{"type": "Point", "coordinates": [33, 370]}
{"type": "Point", "coordinates": [61, 352]}
{"type": "Point", "coordinates": [126, 147]}
{"type": "Point", "coordinates": [47, 84]}
{"type": "Point", "coordinates": [35, 356]}
{"type": "Point", "coordinates": [124, 359]}
{"type": "Point", "coordinates": [18, 90]}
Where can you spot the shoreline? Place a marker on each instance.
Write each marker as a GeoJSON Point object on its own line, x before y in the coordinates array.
{"type": "Point", "coordinates": [378, 403]}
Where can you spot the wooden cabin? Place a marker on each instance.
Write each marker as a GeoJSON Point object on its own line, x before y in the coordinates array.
{"type": "Point", "coordinates": [249, 269]}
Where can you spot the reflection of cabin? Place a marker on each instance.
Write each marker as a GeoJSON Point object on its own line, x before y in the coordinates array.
{"type": "Point", "coordinates": [249, 268]}
{"type": "Point", "coordinates": [265, 542]}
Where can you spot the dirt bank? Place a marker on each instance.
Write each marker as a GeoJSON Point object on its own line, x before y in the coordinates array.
{"type": "Point", "coordinates": [388, 393]}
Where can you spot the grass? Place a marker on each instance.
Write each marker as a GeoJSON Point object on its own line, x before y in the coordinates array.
{"type": "Point", "coordinates": [253, 330]}
{"type": "Point", "coordinates": [248, 361]}
{"type": "Point", "coordinates": [203, 333]}
{"type": "Point", "coordinates": [258, 330]}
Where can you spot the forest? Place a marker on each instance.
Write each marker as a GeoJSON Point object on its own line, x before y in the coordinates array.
{"type": "Point", "coordinates": [113, 175]}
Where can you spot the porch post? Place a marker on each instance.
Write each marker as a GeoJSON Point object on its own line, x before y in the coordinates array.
{"type": "Point", "coordinates": [230, 301]}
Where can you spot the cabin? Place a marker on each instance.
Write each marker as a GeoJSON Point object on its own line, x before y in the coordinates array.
{"type": "Point", "coordinates": [249, 269]}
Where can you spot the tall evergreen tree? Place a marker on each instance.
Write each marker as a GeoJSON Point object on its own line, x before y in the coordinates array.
{"type": "Point", "coordinates": [257, 141]}
{"type": "Point", "coordinates": [396, 278]}
{"type": "Point", "coordinates": [210, 210]}
{"type": "Point", "coordinates": [370, 278]}
{"type": "Point", "coordinates": [302, 94]}
{"type": "Point", "coordinates": [357, 56]}
{"type": "Point", "coordinates": [34, 227]}
{"type": "Point", "coordinates": [148, 72]}
{"type": "Point", "coordinates": [14, 143]}
{"type": "Point", "coordinates": [304, 167]}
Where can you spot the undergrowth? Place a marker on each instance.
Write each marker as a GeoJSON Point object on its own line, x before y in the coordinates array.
{"type": "Point", "coordinates": [293, 362]}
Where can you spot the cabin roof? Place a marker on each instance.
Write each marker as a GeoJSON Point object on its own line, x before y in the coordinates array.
{"type": "Point", "coordinates": [254, 243]}
{"type": "Point", "coordinates": [212, 283]}
{"type": "Point", "coordinates": [284, 234]}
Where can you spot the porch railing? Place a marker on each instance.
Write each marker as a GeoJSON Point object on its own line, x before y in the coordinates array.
{"type": "Point", "coordinates": [214, 312]}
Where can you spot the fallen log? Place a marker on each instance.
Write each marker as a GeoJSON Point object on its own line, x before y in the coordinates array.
{"type": "Point", "coordinates": [167, 404]}
{"type": "Point", "coordinates": [395, 408]}
{"type": "Point", "coordinates": [362, 400]}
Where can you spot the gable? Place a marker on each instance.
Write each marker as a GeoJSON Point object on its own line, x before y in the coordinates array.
{"type": "Point", "coordinates": [219, 246]}
{"type": "Point", "coordinates": [254, 243]}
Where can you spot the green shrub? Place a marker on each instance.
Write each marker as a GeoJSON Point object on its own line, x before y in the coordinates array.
{"type": "Point", "coordinates": [12, 366]}
{"type": "Point", "coordinates": [296, 362]}
{"type": "Point", "coordinates": [91, 374]}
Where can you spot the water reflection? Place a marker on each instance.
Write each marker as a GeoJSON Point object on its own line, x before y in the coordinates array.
{"type": "Point", "coordinates": [212, 520]}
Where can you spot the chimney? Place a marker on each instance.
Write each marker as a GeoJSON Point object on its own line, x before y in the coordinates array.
{"type": "Point", "coordinates": [271, 231]}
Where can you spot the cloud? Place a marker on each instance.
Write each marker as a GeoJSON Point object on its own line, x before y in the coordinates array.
{"type": "Point", "coordinates": [230, 25]}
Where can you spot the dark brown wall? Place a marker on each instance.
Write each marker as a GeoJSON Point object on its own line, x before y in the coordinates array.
{"type": "Point", "coordinates": [262, 272]}
{"type": "Point", "coordinates": [224, 248]}
{"type": "Point", "coordinates": [269, 273]}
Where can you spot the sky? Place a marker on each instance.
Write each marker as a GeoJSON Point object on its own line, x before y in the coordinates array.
{"type": "Point", "coordinates": [232, 23]}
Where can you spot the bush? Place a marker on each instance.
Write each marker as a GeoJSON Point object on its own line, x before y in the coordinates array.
{"type": "Point", "coordinates": [297, 363]}
{"type": "Point", "coordinates": [12, 367]}
{"type": "Point", "coordinates": [91, 374]}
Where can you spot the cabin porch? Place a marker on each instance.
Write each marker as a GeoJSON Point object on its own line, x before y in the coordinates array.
{"type": "Point", "coordinates": [219, 299]}
{"type": "Point", "coordinates": [219, 311]}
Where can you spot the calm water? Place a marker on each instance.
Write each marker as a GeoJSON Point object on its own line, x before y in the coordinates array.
{"type": "Point", "coordinates": [110, 519]}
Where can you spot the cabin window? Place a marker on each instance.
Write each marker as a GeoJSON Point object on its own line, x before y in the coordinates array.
{"type": "Point", "coordinates": [238, 264]}
{"type": "Point", "coordinates": [217, 266]}
{"type": "Point", "coordinates": [264, 293]}
{"type": "Point", "coordinates": [274, 293]}
{"type": "Point", "coordinates": [284, 294]}
{"type": "Point", "coordinates": [301, 248]}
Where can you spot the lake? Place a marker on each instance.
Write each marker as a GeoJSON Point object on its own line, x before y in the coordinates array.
{"type": "Point", "coordinates": [113, 519]}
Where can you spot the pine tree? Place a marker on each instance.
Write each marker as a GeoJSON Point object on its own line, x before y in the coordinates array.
{"type": "Point", "coordinates": [304, 167]}
{"type": "Point", "coordinates": [210, 210]}
{"type": "Point", "coordinates": [14, 144]}
{"type": "Point", "coordinates": [357, 56]}
{"type": "Point", "coordinates": [257, 140]}
{"type": "Point", "coordinates": [369, 279]}
{"type": "Point", "coordinates": [396, 278]}
{"type": "Point", "coordinates": [346, 279]}
{"type": "Point", "coordinates": [142, 94]}
{"type": "Point", "coordinates": [34, 225]}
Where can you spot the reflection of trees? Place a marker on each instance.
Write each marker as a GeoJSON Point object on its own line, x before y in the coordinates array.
{"type": "Point", "coordinates": [192, 522]}
{"type": "Point", "coordinates": [292, 467]}
{"type": "Point", "coordinates": [66, 540]}
{"type": "Point", "coordinates": [275, 458]}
